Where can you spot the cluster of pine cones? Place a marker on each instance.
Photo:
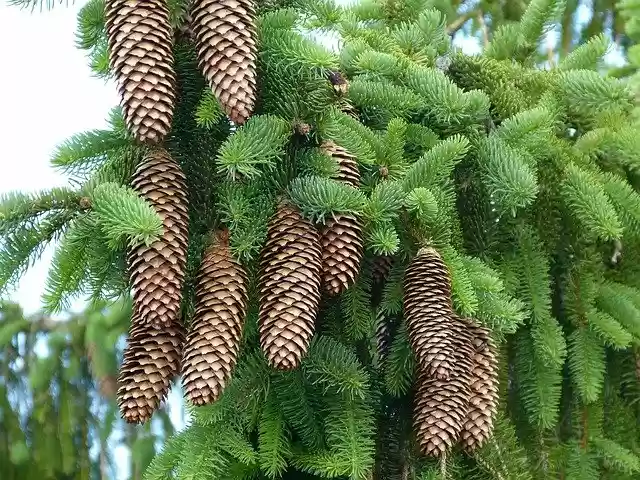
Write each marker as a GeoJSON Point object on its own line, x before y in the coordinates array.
{"type": "Point", "coordinates": [297, 262]}
{"type": "Point", "coordinates": [456, 391]}
{"type": "Point", "coordinates": [140, 39]}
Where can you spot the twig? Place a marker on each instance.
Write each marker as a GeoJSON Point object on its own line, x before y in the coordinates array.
{"type": "Point", "coordinates": [483, 26]}
{"type": "Point", "coordinates": [459, 22]}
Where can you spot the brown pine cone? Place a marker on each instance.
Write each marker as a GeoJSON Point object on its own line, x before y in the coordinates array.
{"type": "Point", "coordinates": [151, 361]}
{"type": "Point", "coordinates": [429, 313]}
{"type": "Point", "coordinates": [225, 32]}
{"type": "Point", "coordinates": [342, 251]}
{"type": "Point", "coordinates": [483, 404]}
{"type": "Point", "coordinates": [348, 171]}
{"type": "Point", "coordinates": [213, 344]}
{"type": "Point", "coordinates": [441, 406]}
{"type": "Point", "coordinates": [157, 270]}
{"type": "Point", "coordinates": [289, 288]}
{"type": "Point", "coordinates": [341, 237]}
{"type": "Point", "coordinates": [381, 268]}
{"type": "Point", "coordinates": [383, 334]}
{"type": "Point", "coordinates": [140, 54]}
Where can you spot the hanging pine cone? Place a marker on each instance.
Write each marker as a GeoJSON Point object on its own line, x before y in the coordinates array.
{"type": "Point", "coordinates": [151, 361]}
{"type": "Point", "coordinates": [289, 288]}
{"type": "Point", "coordinates": [483, 402]}
{"type": "Point", "coordinates": [441, 406]}
{"type": "Point", "coordinates": [348, 171]}
{"type": "Point", "coordinates": [381, 267]}
{"type": "Point", "coordinates": [341, 236]}
{"type": "Point", "coordinates": [140, 54]}
{"type": "Point", "coordinates": [157, 270]}
{"type": "Point", "coordinates": [213, 344]}
{"type": "Point", "coordinates": [383, 334]}
{"type": "Point", "coordinates": [224, 33]}
{"type": "Point", "coordinates": [428, 309]}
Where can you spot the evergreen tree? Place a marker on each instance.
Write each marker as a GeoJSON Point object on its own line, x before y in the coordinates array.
{"type": "Point", "coordinates": [58, 414]}
{"type": "Point", "coordinates": [501, 197]}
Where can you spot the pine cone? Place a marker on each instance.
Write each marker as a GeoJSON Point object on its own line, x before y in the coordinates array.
{"type": "Point", "coordinates": [213, 344]}
{"type": "Point", "coordinates": [383, 334]}
{"type": "Point", "coordinates": [428, 309]}
{"type": "Point", "coordinates": [483, 403]}
{"type": "Point", "coordinates": [342, 251]}
{"type": "Point", "coordinates": [341, 236]}
{"type": "Point", "coordinates": [289, 288]}
{"type": "Point", "coordinates": [157, 271]}
{"type": "Point", "coordinates": [381, 268]}
{"type": "Point", "coordinates": [348, 171]}
{"type": "Point", "coordinates": [224, 33]}
{"type": "Point", "coordinates": [151, 361]}
{"type": "Point", "coordinates": [140, 54]}
{"type": "Point", "coordinates": [441, 406]}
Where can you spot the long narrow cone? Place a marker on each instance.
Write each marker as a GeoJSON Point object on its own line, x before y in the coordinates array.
{"type": "Point", "coordinates": [429, 313]}
{"type": "Point", "coordinates": [441, 406]}
{"type": "Point", "coordinates": [151, 361]}
{"type": "Point", "coordinates": [213, 344]}
{"type": "Point", "coordinates": [289, 288]}
{"type": "Point", "coordinates": [140, 42]}
{"type": "Point", "coordinates": [225, 37]}
{"type": "Point", "coordinates": [341, 236]}
{"type": "Point", "coordinates": [157, 270]}
{"type": "Point", "coordinates": [483, 403]}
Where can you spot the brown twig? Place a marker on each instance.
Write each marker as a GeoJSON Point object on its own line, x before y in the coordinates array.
{"type": "Point", "coordinates": [459, 22]}
{"type": "Point", "coordinates": [483, 26]}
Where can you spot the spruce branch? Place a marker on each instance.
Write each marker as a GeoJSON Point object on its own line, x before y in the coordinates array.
{"type": "Point", "coordinates": [588, 55]}
{"type": "Point", "coordinates": [123, 214]}
{"type": "Point", "coordinates": [319, 197]}
{"type": "Point", "coordinates": [590, 204]}
{"type": "Point", "coordinates": [273, 446]}
{"type": "Point", "coordinates": [382, 239]}
{"type": "Point", "coordinates": [608, 329]}
{"type": "Point", "coordinates": [69, 264]}
{"type": "Point", "coordinates": [539, 18]}
{"type": "Point", "coordinates": [436, 166]}
{"type": "Point", "coordinates": [587, 363]}
{"type": "Point", "coordinates": [616, 457]}
{"type": "Point", "coordinates": [385, 202]}
{"type": "Point", "coordinates": [512, 183]}
{"type": "Point", "coordinates": [335, 368]}
{"type": "Point", "coordinates": [445, 102]}
{"type": "Point", "coordinates": [23, 246]}
{"type": "Point", "coordinates": [400, 364]}
{"type": "Point", "coordinates": [18, 209]}
{"type": "Point", "coordinates": [83, 152]}
{"type": "Point", "coordinates": [255, 145]}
